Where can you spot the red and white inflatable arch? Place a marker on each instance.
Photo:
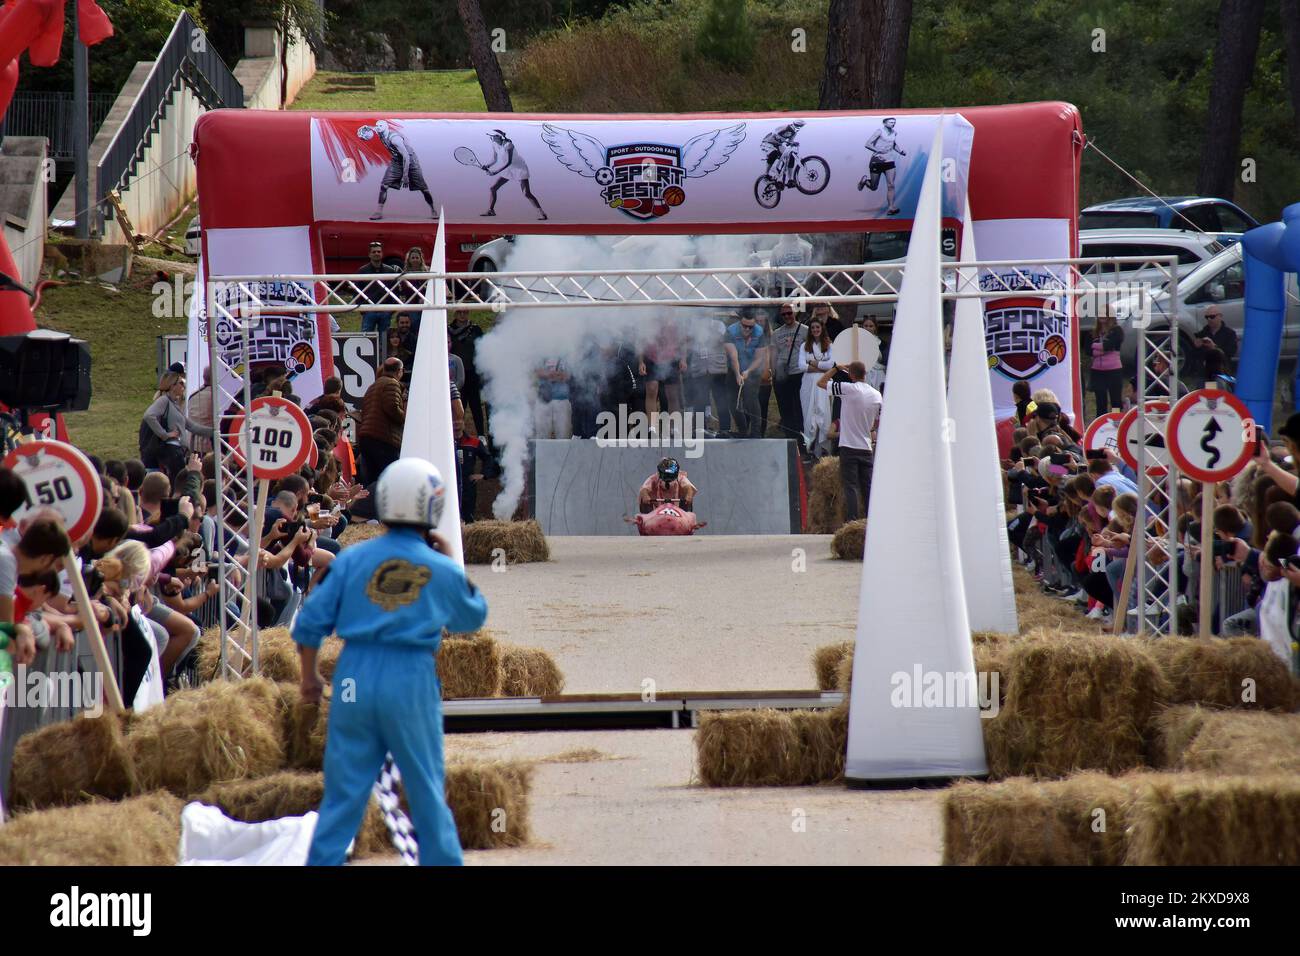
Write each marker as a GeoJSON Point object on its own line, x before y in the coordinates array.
{"type": "Point", "coordinates": [296, 193]}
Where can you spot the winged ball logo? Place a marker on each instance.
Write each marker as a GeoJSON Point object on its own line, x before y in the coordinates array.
{"type": "Point", "coordinates": [1024, 333]}
{"type": "Point", "coordinates": [643, 180]}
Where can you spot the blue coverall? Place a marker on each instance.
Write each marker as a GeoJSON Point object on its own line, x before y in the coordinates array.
{"type": "Point", "coordinates": [388, 599]}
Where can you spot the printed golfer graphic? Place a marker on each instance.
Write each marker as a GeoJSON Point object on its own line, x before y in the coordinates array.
{"type": "Point", "coordinates": [883, 142]}
{"type": "Point", "coordinates": [403, 166]}
{"type": "Point", "coordinates": [506, 164]}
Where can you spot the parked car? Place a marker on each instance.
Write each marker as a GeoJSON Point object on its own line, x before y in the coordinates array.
{"type": "Point", "coordinates": [1191, 248]}
{"type": "Point", "coordinates": [1219, 281]}
{"type": "Point", "coordinates": [1218, 217]}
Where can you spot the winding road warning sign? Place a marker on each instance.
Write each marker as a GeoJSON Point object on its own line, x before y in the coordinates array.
{"type": "Point", "coordinates": [1211, 435]}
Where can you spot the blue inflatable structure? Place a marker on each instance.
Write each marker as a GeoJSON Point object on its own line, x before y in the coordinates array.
{"type": "Point", "coordinates": [1268, 254]}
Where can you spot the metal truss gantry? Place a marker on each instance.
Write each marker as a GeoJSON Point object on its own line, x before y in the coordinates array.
{"type": "Point", "coordinates": [237, 303]}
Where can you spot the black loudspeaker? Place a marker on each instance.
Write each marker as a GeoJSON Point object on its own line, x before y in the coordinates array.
{"type": "Point", "coordinates": [45, 370]}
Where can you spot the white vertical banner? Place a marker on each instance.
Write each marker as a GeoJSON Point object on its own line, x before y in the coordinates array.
{"type": "Point", "coordinates": [1028, 332]}
{"type": "Point", "coordinates": [290, 341]}
{"type": "Point", "coordinates": [428, 432]}
{"type": "Point", "coordinates": [196, 339]}
{"type": "Point", "coordinates": [913, 655]}
{"type": "Point", "coordinates": [976, 471]}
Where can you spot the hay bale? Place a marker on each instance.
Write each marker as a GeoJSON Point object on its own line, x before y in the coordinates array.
{"type": "Point", "coordinates": [771, 748]}
{"type": "Point", "coordinates": [357, 532]}
{"type": "Point", "coordinates": [1196, 820]}
{"type": "Point", "coordinates": [1172, 731]}
{"type": "Point", "coordinates": [528, 672]}
{"type": "Point", "coordinates": [327, 658]}
{"type": "Point", "coordinates": [850, 541]}
{"type": "Point", "coordinates": [277, 655]}
{"type": "Point", "coordinates": [1220, 671]}
{"type": "Point", "coordinates": [826, 664]}
{"type": "Point", "coordinates": [825, 502]}
{"type": "Point", "coordinates": [217, 732]}
{"type": "Point", "coordinates": [1231, 742]}
{"type": "Point", "coordinates": [290, 794]}
{"type": "Point", "coordinates": [844, 673]}
{"type": "Point", "coordinates": [304, 729]}
{"type": "Point", "coordinates": [71, 762]}
{"type": "Point", "coordinates": [1095, 677]}
{"type": "Point", "coordinates": [1022, 823]}
{"type": "Point", "coordinates": [141, 831]}
{"type": "Point", "coordinates": [824, 741]}
{"type": "Point", "coordinates": [1072, 702]}
{"type": "Point", "coordinates": [1050, 747]}
{"type": "Point", "coordinates": [469, 667]}
{"type": "Point", "coordinates": [489, 800]}
{"type": "Point", "coordinates": [520, 541]}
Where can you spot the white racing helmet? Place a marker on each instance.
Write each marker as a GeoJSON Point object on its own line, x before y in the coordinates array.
{"type": "Point", "coordinates": [410, 492]}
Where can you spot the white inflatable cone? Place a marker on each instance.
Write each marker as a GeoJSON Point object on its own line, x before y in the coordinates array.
{"type": "Point", "coordinates": [428, 432]}
{"type": "Point", "coordinates": [914, 711]}
{"type": "Point", "coordinates": [976, 471]}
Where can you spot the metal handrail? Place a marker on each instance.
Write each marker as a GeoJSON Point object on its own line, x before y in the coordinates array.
{"type": "Point", "coordinates": [178, 64]}
{"type": "Point", "coordinates": [50, 114]}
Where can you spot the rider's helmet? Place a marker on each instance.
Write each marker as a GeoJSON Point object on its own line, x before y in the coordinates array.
{"type": "Point", "coordinates": [797, 124]}
{"type": "Point", "coordinates": [668, 470]}
{"type": "Point", "coordinates": [410, 492]}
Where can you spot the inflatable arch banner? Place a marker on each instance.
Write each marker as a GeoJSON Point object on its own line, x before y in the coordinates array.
{"type": "Point", "coordinates": [277, 188]}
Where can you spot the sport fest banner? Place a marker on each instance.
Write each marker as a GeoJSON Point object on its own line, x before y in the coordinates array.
{"type": "Point", "coordinates": [286, 342]}
{"type": "Point", "coordinates": [276, 189]}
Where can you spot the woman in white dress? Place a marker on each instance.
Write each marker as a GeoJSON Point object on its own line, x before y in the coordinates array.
{"type": "Point", "coordinates": [814, 359]}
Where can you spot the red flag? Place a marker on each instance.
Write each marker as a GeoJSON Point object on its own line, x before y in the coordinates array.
{"type": "Point", "coordinates": [93, 24]}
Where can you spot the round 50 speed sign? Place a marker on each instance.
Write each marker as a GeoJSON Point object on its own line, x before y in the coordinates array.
{"type": "Point", "coordinates": [1211, 435]}
{"type": "Point", "coordinates": [275, 434]}
{"type": "Point", "coordinates": [58, 476]}
{"type": "Point", "coordinates": [1157, 455]}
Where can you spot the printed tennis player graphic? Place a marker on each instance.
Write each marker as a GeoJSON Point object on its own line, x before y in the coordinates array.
{"type": "Point", "coordinates": [643, 180]}
{"type": "Point", "coordinates": [356, 146]}
{"type": "Point", "coordinates": [786, 169]}
{"type": "Point", "coordinates": [883, 142]}
{"type": "Point", "coordinates": [506, 164]}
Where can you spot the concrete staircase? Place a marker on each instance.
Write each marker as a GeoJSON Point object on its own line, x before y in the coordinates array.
{"type": "Point", "coordinates": [65, 210]}
{"type": "Point", "coordinates": [22, 203]}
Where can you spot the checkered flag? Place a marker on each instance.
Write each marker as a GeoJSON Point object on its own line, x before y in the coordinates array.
{"type": "Point", "coordinates": [399, 824]}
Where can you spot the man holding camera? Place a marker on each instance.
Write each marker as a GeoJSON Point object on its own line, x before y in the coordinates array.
{"type": "Point", "coordinates": [859, 412]}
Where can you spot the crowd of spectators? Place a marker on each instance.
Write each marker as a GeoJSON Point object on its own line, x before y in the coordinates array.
{"type": "Point", "coordinates": [1076, 513]}
{"type": "Point", "coordinates": [736, 369]}
{"type": "Point", "coordinates": [150, 561]}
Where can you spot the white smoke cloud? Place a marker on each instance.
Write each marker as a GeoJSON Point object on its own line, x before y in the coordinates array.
{"type": "Point", "coordinates": [522, 338]}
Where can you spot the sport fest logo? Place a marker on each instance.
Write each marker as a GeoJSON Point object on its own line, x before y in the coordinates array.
{"type": "Point", "coordinates": [1024, 334]}
{"type": "Point", "coordinates": [273, 339]}
{"type": "Point", "coordinates": [643, 180]}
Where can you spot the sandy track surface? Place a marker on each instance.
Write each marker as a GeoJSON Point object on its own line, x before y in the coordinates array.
{"type": "Point", "coordinates": [690, 613]}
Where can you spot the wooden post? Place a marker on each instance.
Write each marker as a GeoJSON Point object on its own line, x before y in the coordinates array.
{"type": "Point", "coordinates": [260, 492]}
{"type": "Point", "coordinates": [1206, 602]}
{"type": "Point", "coordinates": [112, 693]}
{"type": "Point", "coordinates": [1126, 587]}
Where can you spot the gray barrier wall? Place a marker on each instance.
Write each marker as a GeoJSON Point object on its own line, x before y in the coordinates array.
{"type": "Point", "coordinates": [746, 486]}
